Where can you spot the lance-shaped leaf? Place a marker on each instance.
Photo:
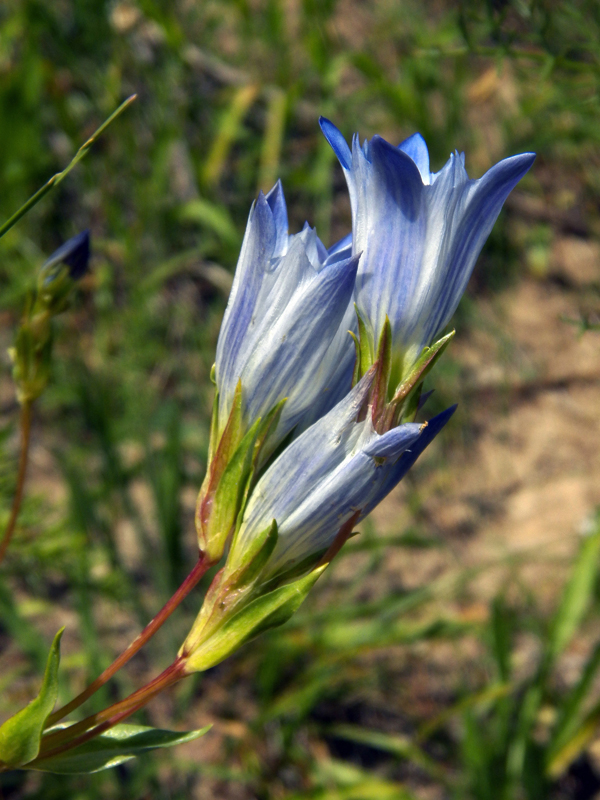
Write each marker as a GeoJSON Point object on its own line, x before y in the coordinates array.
{"type": "Point", "coordinates": [21, 734]}
{"type": "Point", "coordinates": [267, 611]}
{"type": "Point", "coordinates": [115, 746]}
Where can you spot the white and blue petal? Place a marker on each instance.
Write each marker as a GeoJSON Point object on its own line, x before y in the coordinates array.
{"type": "Point", "coordinates": [283, 333]}
{"type": "Point", "coordinates": [419, 232]}
{"type": "Point", "coordinates": [336, 468]}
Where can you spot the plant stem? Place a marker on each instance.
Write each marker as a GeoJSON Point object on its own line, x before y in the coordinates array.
{"type": "Point", "coordinates": [56, 179]}
{"type": "Point", "coordinates": [23, 459]}
{"type": "Point", "coordinates": [56, 743]}
{"type": "Point", "coordinates": [202, 566]}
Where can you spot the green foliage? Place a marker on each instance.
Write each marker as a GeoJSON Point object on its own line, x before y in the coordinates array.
{"type": "Point", "coordinates": [116, 746]}
{"type": "Point", "coordinates": [228, 98]}
{"type": "Point", "coordinates": [20, 736]}
{"type": "Point", "coordinates": [266, 611]}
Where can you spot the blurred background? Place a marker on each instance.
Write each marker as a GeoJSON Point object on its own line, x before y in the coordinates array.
{"type": "Point", "coordinates": [440, 656]}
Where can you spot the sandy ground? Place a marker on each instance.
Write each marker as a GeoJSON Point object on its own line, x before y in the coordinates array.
{"type": "Point", "coordinates": [529, 479]}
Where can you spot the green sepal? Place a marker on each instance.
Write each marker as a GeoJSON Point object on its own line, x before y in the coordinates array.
{"type": "Point", "coordinates": [379, 390]}
{"type": "Point", "coordinates": [117, 745]}
{"type": "Point", "coordinates": [20, 735]}
{"type": "Point", "coordinates": [229, 588]}
{"type": "Point", "coordinates": [421, 369]}
{"type": "Point", "coordinates": [266, 426]}
{"type": "Point", "coordinates": [214, 429]}
{"type": "Point", "coordinates": [220, 456]}
{"type": "Point", "coordinates": [228, 496]}
{"type": "Point", "coordinates": [213, 374]}
{"type": "Point", "coordinates": [244, 566]}
{"type": "Point", "coordinates": [411, 406]}
{"type": "Point", "coordinates": [267, 611]}
{"type": "Point", "coordinates": [356, 374]}
{"type": "Point", "coordinates": [54, 288]}
{"type": "Point", "coordinates": [366, 346]}
{"type": "Point", "coordinates": [423, 366]}
{"type": "Point", "coordinates": [31, 354]}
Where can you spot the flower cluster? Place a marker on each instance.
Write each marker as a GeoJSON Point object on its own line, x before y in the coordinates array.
{"type": "Point", "coordinates": [319, 370]}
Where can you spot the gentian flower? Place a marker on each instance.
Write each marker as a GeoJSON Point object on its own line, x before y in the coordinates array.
{"type": "Point", "coordinates": [284, 356]}
{"type": "Point", "coordinates": [285, 330]}
{"type": "Point", "coordinates": [338, 469]}
{"type": "Point", "coordinates": [415, 238]}
{"type": "Point", "coordinates": [419, 233]}
{"type": "Point", "coordinates": [299, 513]}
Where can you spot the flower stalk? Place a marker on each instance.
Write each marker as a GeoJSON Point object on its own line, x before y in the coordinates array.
{"type": "Point", "coordinates": [25, 425]}
{"type": "Point", "coordinates": [200, 569]}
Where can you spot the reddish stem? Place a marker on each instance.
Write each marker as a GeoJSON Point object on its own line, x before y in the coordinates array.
{"type": "Point", "coordinates": [56, 743]}
{"type": "Point", "coordinates": [202, 566]}
{"type": "Point", "coordinates": [23, 459]}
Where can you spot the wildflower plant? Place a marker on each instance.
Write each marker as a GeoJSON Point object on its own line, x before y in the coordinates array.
{"type": "Point", "coordinates": [318, 379]}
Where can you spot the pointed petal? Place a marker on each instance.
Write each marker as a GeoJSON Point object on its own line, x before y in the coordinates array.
{"type": "Point", "coordinates": [416, 148]}
{"type": "Point", "coordinates": [343, 244]}
{"type": "Point", "coordinates": [313, 524]}
{"type": "Point", "coordinates": [302, 465]}
{"type": "Point", "coordinates": [74, 253]}
{"type": "Point", "coordinates": [476, 212]}
{"type": "Point", "coordinates": [276, 200]}
{"type": "Point", "coordinates": [287, 359]}
{"type": "Point", "coordinates": [389, 230]}
{"type": "Point", "coordinates": [337, 142]}
{"type": "Point", "coordinates": [257, 249]}
{"type": "Point", "coordinates": [406, 461]}
{"type": "Point", "coordinates": [394, 442]}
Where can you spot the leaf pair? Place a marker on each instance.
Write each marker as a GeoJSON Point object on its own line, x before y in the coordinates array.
{"type": "Point", "coordinates": [21, 736]}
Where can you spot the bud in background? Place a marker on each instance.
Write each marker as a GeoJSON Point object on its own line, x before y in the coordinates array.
{"type": "Point", "coordinates": [284, 356]}
{"type": "Point", "coordinates": [31, 353]}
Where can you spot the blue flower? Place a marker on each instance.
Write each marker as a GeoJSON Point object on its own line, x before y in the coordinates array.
{"type": "Point", "coordinates": [74, 253]}
{"type": "Point", "coordinates": [338, 469]}
{"type": "Point", "coordinates": [419, 232]}
{"type": "Point", "coordinates": [285, 330]}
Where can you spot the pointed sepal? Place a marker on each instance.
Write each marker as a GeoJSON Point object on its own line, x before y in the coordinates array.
{"type": "Point", "coordinates": [266, 611]}
{"type": "Point", "coordinates": [379, 391]}
{"type": "Point", "coordinates": [366, 348]}
{"type": "Point", "coordinates": [415, 377]}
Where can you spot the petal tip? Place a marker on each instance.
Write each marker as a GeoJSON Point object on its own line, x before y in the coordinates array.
{"type": "Point", "coordinates": [337, 142]}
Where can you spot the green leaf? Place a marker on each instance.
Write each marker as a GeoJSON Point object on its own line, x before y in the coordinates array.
{"type": "Point", "coordinates": [569, 718]}
{"type": "Point", "coordinates": [267, 611]}
{"type": "Point", "coordinates": [21, 734]}
{"type": "Point", "coordinates": [573, 747]}
{"type": "Point", "coordinates": [211, 216]}
{"type": "Point", "coordinates": [575, 599]}
{"type": "Point", "coordinates": [119, 744]}
{"type": "Point", "coordinates": [229, 127]}
{"type": "Point", "coordinates": [396, 745]}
